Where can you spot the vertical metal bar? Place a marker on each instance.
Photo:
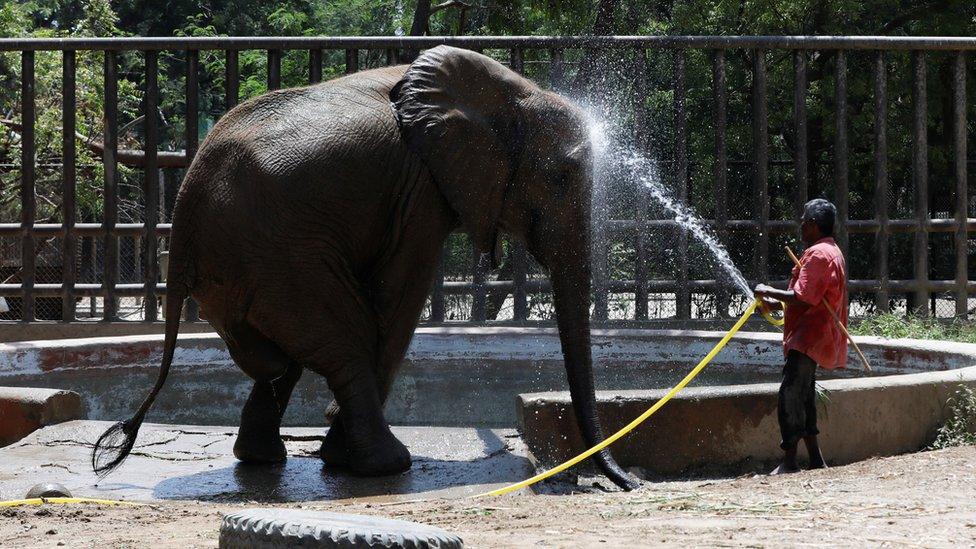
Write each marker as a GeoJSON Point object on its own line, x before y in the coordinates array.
{"type": "Point", "coordinates": [520, 305]}
{"type": "Point", "coordinates": [437, 294]}
{"type": "Point", "coordinates": [192, 135]}
{"type": "Point", "coordinates": [517, 60]}
{"type": "Point", "coordinates": [841, 198]}
{"type": "Point", "coordinates": [28, 205]}
{"type": "Point", "coordinates": [151, 187]}
{"type": "Point", "coordinates": [683, 296]}
{"type": "Point", "coordinates": [800, 178]}
{"type": "Point", "coordinates": [391, 56]}
{"type": "Point", "coordinates": [352, 61]}
{"type": "Point", "coordinates": [720, 173]}
{"type": "Point", "coordinates": [599, 253]}
{"type": "Point", "coordinates": [314, 66]}
{"type": "Point", "coordinates": [881, 180]}
{"type": "Point", "coordinates": [920, 180]}
{"type": "Point", "coordinates": [556, 68]}
{"type": "Point", "coordinates": [232, 81]}
{"type": "Point", "coordinates": [479, 293]}
{"type": "Point", "coordinates": [962, 192]}
{"type": "Point", "coordinates": [641, 274]}
{"type": "Point", "coordinates": [110, 212]}
{"type": "Point", "coordinates": [760, 147]}
{"type": "Point", "coordinates": [69, 245]}
{"type": "Point", "coordinates": [274, 69]}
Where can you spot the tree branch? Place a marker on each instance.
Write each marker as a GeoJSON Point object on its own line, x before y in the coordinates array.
{"type": "Point", "coordinates": [127, 157]}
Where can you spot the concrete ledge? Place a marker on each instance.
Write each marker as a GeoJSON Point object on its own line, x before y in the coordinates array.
{"type": "Point", "coordinates": [733, 429]}
{"type": "Point", "coordinates": [24, 410]}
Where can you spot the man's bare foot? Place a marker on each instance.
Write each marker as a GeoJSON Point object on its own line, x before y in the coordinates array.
{"type": "Point", "coordinates": [785, 469]}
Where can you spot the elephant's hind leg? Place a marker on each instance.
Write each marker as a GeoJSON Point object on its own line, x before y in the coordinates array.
{"type": "Point", "coordinates": [322, 322]}
{"type": "Point", "coordinates": [275, 375]}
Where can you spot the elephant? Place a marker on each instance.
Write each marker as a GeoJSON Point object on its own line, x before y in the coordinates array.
{"type": "Point", "coordinates": [310, 223]}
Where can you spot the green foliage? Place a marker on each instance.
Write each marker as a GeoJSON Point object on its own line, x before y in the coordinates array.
{"type": "Point", "coordinates": [894, 326]}
{"type": "Point", "coordinates": [960, 425]}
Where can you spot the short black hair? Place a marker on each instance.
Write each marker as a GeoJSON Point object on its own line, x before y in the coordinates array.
{"type": "Point", "coordinates": [823, 213]}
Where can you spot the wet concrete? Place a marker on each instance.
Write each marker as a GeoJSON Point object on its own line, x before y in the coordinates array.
{"type": "Point", "coordinates": [178, 462]}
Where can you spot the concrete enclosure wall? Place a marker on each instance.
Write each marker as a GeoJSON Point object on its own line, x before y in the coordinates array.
{"type": "Point", "coordinates": [452, 376]}
{"type": "Point", "coordinates": [734, 428]}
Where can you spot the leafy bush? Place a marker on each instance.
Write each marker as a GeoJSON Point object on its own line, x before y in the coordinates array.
{"type": "Point", "coordinates": [894, 326]}
{"type": "Point", "coordinates": [960, 427]}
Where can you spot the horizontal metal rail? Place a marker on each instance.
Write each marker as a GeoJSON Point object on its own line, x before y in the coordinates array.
{"type": "Point", "coordinates": [950, 43]}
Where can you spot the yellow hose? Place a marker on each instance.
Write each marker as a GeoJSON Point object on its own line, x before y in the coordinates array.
{"type": "Point", "coordinates": [640, 419]}
{"type": "Point", "coordinates": [44, 501]}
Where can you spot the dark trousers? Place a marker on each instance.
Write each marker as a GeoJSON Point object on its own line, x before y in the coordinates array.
{"type": "Point", "coordinates": [797, 411]}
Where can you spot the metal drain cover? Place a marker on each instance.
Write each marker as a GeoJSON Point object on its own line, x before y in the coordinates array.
{"type": "Point", "coordinates": [273, 528]}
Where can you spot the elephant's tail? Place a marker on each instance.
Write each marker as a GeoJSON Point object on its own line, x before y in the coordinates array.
{"type": "Point", "coordinates": [114, 445]}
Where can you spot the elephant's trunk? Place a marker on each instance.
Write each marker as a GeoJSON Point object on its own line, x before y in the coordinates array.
{"type": "Point", "coordinates": [570, 275]}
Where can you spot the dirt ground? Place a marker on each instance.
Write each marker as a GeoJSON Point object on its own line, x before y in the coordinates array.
{"type": "Point", "coordinates": [926, 499]}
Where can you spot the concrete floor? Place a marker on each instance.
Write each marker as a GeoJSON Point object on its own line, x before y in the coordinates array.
{"type": "Point", "coordinates": [180, 462]}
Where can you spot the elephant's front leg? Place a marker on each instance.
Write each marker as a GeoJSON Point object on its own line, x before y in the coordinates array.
{"type": "Point", "coordinates": [275, 375]}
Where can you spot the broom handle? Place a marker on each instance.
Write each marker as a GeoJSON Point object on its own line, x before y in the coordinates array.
{"type": "Point", "coordinates": [864, 360]}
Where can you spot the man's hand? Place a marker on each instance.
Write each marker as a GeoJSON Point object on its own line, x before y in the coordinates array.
{"type": "Point", "coordinates": [764, 290]}
{"type": "Point", "coordinates": [765, 303]}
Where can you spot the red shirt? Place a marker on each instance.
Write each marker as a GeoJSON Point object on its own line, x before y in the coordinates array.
{"type": "Point", "coordinates": [811, 329]}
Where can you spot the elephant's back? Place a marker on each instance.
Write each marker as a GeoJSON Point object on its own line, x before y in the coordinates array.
{"type": "Point", "coordinates": [298, 128]}
{"type": "Point", "coordinates": [322, 165]}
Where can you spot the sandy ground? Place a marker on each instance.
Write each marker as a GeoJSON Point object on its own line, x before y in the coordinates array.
{"type": "Point", "coordinates": [924, 499]}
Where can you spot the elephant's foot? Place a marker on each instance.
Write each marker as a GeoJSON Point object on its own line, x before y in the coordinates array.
{"type": "Point", "coordinates": [333, 451]}
{"type": "Point", "coordinates": [387, 457]}
{"type": "Point", "coordinates": [260, 449]}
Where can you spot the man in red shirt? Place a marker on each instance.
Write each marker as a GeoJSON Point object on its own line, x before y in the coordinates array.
{"type": "Point", "coordinates": [810, 336]}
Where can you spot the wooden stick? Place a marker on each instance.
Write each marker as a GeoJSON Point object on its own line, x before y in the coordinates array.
{"type": "Point", "coordinates": [864, 360]}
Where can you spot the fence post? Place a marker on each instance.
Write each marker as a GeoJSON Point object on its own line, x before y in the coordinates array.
{"type": "Point", "coordinates": [640, 196]}
{"type": "Point", "coordinates": [352, 61]}
{"type": "Point", "coordinates": [881, 180]}
{"type": "Point", "coordinates": [682, 296]}
{"type": "Point", "coordinates": [479, 290]}
{"type": "Point", "coordinates": [314, 66]}
{"type": "Point", "coordinates": [720, 169]}
{"type": "Point", "coordinates": [760, 146]}
{"type": "Point", "coordinates": [28, 204]}
{"type": "Point", "coordinates": [962, 194]}
{"type": "Point", "coordinates": [69, 253]}
{"type": "Point", "coordinates": [151, 187]}
{"type": "Point", "coordinates": [111, 205]}
{"type": "Point", "coordinates": [232, 80]}
{"type": "Point", "coordinates": [840, 148]}
{"type": "Point", "coordinates": [520, 306]}
{"type": "Point", "coordinates": [274, 69]}
{"type": "Point", "coordinates": [920, 180]}
{"type": "Point", "coordinates": [192, 137]}
{"type": "Point", "coordinates": [800, 178]}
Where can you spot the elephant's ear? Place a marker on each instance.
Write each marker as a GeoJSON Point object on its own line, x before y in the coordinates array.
{"type": "Point", "coordinates": [457, 110]}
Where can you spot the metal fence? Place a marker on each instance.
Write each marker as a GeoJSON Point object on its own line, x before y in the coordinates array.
{"type": "Point", "coordinates": [110, 270]}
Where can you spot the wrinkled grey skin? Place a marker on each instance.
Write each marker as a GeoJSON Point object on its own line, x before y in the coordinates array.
{"type": "Point", "coordinates": [311, 221]}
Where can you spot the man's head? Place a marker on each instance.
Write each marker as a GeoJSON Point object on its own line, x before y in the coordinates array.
{"type": "Point", "coordinates": [818, 220]}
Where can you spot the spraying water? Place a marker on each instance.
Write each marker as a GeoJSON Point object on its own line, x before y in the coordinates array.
{"type": "Point", "coordinates": [612, 156]}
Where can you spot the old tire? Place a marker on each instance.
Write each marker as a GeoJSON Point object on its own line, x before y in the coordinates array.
{"type": "Point", "coordinates": [274, 528]}
{"type": "Point", "coordinates": [48, 490]}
